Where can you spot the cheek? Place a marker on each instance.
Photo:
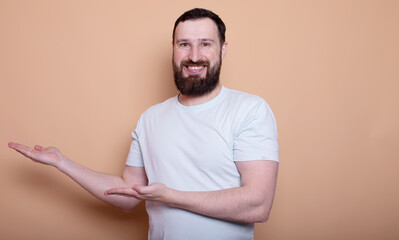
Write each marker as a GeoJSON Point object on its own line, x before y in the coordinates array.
{"type": "Point", "coordinates": [178, 56]}
{"type": "Point", "coordinates": [211, 55]}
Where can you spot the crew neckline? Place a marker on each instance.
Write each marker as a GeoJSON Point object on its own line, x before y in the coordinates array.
{"type": "Point", "coordinates": [208, 104]}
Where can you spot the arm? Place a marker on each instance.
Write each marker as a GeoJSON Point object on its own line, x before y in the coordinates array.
{"type": "Point", "coordinates": [94, 182]}
{"type": "Point", "coordinates": [251, 202]}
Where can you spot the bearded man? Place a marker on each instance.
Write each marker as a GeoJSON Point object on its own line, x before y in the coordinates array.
{"type": "Point", "coordinates": [204, 161]}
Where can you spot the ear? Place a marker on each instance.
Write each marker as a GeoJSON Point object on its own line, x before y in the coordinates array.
{"type": "Point", "coordinates": [224, 49]}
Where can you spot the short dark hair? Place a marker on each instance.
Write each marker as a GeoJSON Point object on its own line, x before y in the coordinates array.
{"type": "Point", "coordinates": [198, 13]}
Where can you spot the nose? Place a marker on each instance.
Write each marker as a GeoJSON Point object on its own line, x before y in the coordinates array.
{"type": "Point", "coordinates": [194, 54]}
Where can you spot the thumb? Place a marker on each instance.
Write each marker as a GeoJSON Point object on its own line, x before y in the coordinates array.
{"type": "Point", "coordinates": [39, 148]}
{"type": "Point", "coordinates": [139, 189]}
{"type": "Point", "coordinates": [136, 188]}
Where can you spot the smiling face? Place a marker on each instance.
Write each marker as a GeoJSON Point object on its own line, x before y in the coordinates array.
{"type": "Point", "coordinates": [197, 56]}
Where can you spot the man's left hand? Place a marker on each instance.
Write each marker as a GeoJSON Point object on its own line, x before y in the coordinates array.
{"type": "Point", "coordinates": [153, 192]}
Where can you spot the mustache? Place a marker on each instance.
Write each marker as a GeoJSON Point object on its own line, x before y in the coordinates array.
{"type": "Point", "coordinates": [197, 63]}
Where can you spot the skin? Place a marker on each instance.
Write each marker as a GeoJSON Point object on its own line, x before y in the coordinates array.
{"type": "Point", "coordinates": [197, 40]}
{"type": "Point", "coordinates": [251, 202]}
{"type": "Point", "coordinates": [94, 182]}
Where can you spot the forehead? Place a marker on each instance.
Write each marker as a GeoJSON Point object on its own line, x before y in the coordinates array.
{"type": "Point", "coordinates": [203, 28]}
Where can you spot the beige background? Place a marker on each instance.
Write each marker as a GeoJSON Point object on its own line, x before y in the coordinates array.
{"type": "Point", "coordinates": [77, 75]}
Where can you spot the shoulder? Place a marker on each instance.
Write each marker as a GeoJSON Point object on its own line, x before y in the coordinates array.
{"type": "Point", "coordinates": [248, 109]}
{"type": "Point", "coordinates": [155, 113]}
{"type": "Point", "coordinates": [244, 101]}
{"type": "Point", "coordinates": [160, 108]}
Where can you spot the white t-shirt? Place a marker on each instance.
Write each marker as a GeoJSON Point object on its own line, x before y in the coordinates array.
{"type": "Point", "coordinates": [194, 149]}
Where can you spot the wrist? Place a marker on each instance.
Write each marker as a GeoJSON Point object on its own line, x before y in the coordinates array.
{"type": "Point", "coordinates": [170, 197]}
{"type": "Point", "coordinates": [62, 163]}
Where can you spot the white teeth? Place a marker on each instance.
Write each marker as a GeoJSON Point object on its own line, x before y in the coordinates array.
{"type": "Point", "coordinates": [195, 67]}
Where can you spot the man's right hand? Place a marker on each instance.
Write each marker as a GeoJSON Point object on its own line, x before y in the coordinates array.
{"type": "Point", "coordinates": [94, 182]}
{"type": "Point", "coordinates": [49, 156]}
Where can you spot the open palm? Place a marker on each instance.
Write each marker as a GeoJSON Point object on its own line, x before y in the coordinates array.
{"type": "Point", "coordinates": [50, 155]}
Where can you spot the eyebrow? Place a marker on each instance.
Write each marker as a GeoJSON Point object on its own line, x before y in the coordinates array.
{"type": "Point", "coordinates": [200, 40]}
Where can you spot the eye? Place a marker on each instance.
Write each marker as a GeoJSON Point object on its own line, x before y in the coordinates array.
{"type": "Point", "coordinates": [206, 44]}
{"type": "Point", "coordinates": [183, 44]}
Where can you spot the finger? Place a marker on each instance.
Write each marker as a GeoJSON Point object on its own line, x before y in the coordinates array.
{"type": "Point", "coordinates": [27, 153]}
{"type": "Point", "coordinates": [140, 189]}
{"type": "Point", "coordinates": [124, 194]}
{"type": "Point", "coordinates": [17, 146]}
{"type": "Point", "coordinates": [25, 150]}
{"type": "Point", "coordinates": [14, 145]}
{"type": "Point", "coordinates": [11, 144]}
{"type": "Point", "coordinates": [121, 191]}
{"type": "Point", "coordinates": [39, 148]}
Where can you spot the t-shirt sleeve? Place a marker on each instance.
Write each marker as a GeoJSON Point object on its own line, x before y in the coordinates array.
{"type": "Point", "coordinates": [135, 158]}
{"type": "Point", "coordinates": [257, 136]}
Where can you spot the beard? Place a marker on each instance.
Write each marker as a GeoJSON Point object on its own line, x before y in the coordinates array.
{"type": "Point", "coordinates": [194, 85]}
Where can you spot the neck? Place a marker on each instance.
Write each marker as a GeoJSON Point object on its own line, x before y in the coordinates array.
{"type": "Point", "coordinates": [196, 100]}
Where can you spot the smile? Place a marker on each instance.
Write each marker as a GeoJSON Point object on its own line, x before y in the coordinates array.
{"type": "Point", "coordinates": [195, 68]}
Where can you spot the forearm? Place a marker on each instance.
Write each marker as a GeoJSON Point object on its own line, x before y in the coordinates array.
{"type": "Point", "coordinates": [94, 182]}
{"type": "Point", "coordinates": [97, 183]}
{"type": "Point", "coordinates": [251, 202]}
{"type": "Point", "coordinates": [239, 204]}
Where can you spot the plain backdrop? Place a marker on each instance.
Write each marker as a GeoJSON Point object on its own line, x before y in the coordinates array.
{"type": "Point", "coordinates": [77, 75]}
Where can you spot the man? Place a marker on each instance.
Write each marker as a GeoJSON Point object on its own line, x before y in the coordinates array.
{"type": "Point", "coordinates": [204, 161]}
